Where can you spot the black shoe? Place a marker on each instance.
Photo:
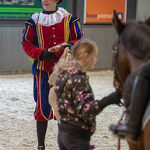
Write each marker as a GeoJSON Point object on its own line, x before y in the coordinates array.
{"type": "Point", "coordinates": [125, 131]}
{"type": "Point", "coordinates": [41, 148]}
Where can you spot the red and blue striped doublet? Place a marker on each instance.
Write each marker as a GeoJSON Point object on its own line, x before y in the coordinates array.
{"type": "Point", "coordinates": [43, 31]}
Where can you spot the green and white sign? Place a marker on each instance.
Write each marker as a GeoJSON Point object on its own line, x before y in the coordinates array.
{"type": "Point", "coordinates": [21, 8]}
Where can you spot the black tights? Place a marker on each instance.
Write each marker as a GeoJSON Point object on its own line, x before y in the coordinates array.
{"type": "Point", "coordinates": [41, 132]}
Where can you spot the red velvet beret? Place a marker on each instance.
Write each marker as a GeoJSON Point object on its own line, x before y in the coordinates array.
{"type": "Point", "coordinates": [60, 1]}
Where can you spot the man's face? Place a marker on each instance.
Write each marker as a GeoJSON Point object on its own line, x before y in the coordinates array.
{"type": "Point", "coordinates": [49, 5]}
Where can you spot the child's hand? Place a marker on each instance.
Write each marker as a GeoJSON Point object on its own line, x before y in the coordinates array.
{"type": "Point", "coordinates": [66, 54]}
{"type": "Point", "coordinates": [66, 50]}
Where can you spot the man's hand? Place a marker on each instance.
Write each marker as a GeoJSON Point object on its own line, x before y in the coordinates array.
{"type": "Point", "coordinates": [46, 54]}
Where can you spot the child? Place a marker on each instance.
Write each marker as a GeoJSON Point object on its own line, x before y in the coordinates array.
{"type": "Point", "coordinates": [75, 99]}
{"type": "Point", "coordinates": [52, 79]}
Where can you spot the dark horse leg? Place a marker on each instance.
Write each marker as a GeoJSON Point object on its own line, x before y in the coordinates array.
{"type": "Point", "coordinates": [139, 98]}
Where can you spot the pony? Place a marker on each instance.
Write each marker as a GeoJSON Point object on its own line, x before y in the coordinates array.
{"type": "Point", "coordinates": [131, 50]}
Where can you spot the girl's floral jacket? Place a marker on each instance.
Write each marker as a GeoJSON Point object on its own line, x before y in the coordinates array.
{"type": "Point", "coordinates": [75, 100]}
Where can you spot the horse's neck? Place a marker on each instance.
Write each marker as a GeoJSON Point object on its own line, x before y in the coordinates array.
{"type": "Point", "coordinates": [135, 63]}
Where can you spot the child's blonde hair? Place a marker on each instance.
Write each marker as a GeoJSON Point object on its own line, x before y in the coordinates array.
{"type": "Point", "coordinates": [83, 46]}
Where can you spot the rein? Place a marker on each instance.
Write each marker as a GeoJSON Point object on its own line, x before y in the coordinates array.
{"type": "Point", "coordinates": [116, 81]}
{"type": "Point", "coordinates": [118, 148]}
{"type": "Point", "coordinates": [119, 139]}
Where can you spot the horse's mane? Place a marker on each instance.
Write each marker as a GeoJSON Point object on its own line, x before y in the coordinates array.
{"type": "Point", "coordinates": [135, 38]}
{"type": "Point", "coordinates": [128, 85]}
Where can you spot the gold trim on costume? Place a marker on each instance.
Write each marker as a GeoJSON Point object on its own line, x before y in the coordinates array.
{"type": "Point", "coordinates": [41, 45]}
{"type": "Point", "coordinates": [75, 31]}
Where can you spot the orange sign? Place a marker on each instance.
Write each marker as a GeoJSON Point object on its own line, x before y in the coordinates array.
{"type": "Point", "coordinates": [101, 11]}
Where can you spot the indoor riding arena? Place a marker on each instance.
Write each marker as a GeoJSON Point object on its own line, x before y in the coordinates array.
{"type": "Point", "coordinates": [17, 127]}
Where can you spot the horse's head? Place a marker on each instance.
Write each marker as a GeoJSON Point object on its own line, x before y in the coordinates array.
{"type": "Point", "coordinates": [119, 56]}
{"type": "Point", "coordinates": [130, 49]}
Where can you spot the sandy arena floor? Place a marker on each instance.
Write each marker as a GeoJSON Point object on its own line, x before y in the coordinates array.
{"type": "Point", "coordinates": [17, 124]}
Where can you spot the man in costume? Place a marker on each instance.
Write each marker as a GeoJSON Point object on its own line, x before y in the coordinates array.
{"type": "Point", "coordinates": [44, 38]}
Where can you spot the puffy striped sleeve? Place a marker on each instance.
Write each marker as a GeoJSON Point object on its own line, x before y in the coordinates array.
{"type": "Point", "coordinates": [29, 40]}
{"type": "Point", "coordinates": [75, 29]}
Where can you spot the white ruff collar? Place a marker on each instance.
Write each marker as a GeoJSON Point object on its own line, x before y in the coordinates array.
{"type": "Point", "coordinates": [49, 19]}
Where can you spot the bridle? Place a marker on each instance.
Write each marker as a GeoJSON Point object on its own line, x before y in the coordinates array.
{"type": "Point", "coordinates": [116, 83]}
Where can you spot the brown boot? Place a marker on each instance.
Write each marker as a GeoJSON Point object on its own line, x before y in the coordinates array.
{"type": "Point", "coordinates": [128, 131]}
{"type": "Point", "coordinates": [139, 99]}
